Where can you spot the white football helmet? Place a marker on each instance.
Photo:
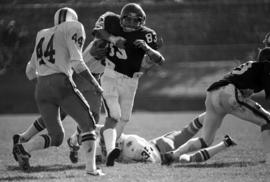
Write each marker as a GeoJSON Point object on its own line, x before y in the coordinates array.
{"type": "Point", "coordinates": [137, 149]}
{"type": "Point", "coordinates": [65, 14]}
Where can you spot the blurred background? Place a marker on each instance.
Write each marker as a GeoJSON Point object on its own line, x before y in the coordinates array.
{"type": "Point", "coordinates": [203, 39]}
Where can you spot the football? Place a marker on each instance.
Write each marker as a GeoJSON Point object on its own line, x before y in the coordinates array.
{"type": "Point", "coordinates": [100, 43]}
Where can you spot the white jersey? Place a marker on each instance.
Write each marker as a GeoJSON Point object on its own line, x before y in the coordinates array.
{"type": "Point", "coordinates": [58, 48]}
{"type": "Point", "coordinates": [137, 149]}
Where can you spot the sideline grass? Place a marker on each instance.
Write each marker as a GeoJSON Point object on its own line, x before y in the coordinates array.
{"type": "Point", "coordinates": [244, 162]}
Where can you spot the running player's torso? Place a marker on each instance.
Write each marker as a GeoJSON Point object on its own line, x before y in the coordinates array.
{"type": "Point", "coordinates": [54, 48]}
{"type": "Point", "coordinates": [127, 61]}
{"type": "Point", "coordinates": [250, 75]}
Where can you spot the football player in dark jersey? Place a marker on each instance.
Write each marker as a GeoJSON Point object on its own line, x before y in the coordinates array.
{"type": "Point", "coordinates": [230, 95]}
{"type": "Point", "coordinates": [130, 41]}
{"type": "Point", "coordinates": [264, 53]}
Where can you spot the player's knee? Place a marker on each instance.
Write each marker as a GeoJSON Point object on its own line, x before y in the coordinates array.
{"type": "Point", "coordinates": [57, 139]}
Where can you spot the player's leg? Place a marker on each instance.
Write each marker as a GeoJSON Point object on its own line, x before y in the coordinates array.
{"type": "Point", "coordinates": [212, 121]}
{"type": "Point", "coordinates": [112, 108]}
{"type": "Point", "coordinates": [253, 112]}
{"type": "Point", "coordinates": [127, 94]}
{"type": "Point", "coordinates": [94, 100]}
{"type": "Point", "coordinates": [54, 137]}
{"type": "Point", "coordinates": [220, 103]}
{"type": "Point", "coordinates": [190, 130]}
{"type": "Point", "coordinates": [77, 107]}
{"type": "Point", "coordinates": [46, 97]}
{"type": "Point", "coordinates": [37, 126]}
{"type": "Point", "coordinates": [207, 153]}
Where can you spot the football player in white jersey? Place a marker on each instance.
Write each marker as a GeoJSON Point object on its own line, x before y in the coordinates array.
{"type": "Point", "coordinates": [134, 148]}
{"type": "Point", "coordinates": [57, 50]}
{"type": "Point", "coordinates": [92, 55]}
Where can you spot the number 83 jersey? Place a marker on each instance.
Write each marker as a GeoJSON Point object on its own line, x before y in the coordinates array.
{"type": "Point", "coordinates": [58, 48]}
{"type": "Point", "coordinates": [126, 61]}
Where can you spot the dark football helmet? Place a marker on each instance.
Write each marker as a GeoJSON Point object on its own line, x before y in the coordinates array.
{"type": "Point", "coordinates": [266, 40]}
{"type": "Point", "coordinates": [132, 17]}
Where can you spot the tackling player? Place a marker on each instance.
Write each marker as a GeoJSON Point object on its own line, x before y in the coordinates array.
{"type": "Point", "coordinates": [57, 50]}
{"type": "Point", "coordinates": [130, 40]}
{"type": "Point", "coordinates": [92, 55]}
{"type": "Point", "coordinates": [230, 95]}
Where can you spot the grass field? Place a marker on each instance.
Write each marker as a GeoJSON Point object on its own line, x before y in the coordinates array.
{"type": "Point", "coordinates": [244, 162]}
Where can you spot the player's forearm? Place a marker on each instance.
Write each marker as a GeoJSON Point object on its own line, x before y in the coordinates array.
{"type": "Point", "coordinates": [155, 56]}
{"type": "Point", "coordinates": [30, 72]}
{"type": "Point", "coordinates": [84, 71]}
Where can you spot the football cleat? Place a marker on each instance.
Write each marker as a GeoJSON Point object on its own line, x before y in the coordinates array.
{"type": "Point", "coordinates": [22, 157]}
{"type": "Point", "coordinates": [16, 140]}
{"type": "Point", "coordinates": [97, 172]}
{"type": "Point", "coordinates": [113, 155]}
{"type": "Point", "coordinates": [167, 158]}
{"type": "Point", "coordinates": [228, 141]}
{"type": "Point", "coordinates": [73, 151]}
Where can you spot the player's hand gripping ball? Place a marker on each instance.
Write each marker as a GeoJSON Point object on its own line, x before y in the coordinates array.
{"type": "Point", "coordinates": [99, 49]}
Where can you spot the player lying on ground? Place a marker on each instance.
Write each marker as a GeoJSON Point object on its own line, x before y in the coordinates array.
{"type": "Point", "coordinates": [230, 95]}
{"type": "Point", "coordinates": [137, 149]}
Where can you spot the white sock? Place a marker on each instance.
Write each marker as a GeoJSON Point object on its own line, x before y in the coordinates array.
{"type": "Point", "coordinates": [89, 147]}
{"type": "Point", "coordinates": [31, 131]}
{"type": "Point", "coordinates": [110, 139]}
{"type": "Point", "coordinates": [36, 143]}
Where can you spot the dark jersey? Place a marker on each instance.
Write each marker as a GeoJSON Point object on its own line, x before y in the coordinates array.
{"type": "Point", "coordinates": [250, 75]}
{"type": "Point", "coordinates": [127, 61]}
{"type": "Point", "coordinates": [264, 54]}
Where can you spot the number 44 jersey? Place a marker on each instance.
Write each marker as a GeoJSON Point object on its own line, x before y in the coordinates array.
{"type": "Point", "coordinates": [59, 48]}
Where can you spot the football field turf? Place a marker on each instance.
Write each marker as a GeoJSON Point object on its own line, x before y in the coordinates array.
{"type": "Point", "coordinates": [244, 162]}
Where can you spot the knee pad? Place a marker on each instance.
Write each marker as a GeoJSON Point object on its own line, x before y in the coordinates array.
{"type": "Point", "coordinates": [57, 139]}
